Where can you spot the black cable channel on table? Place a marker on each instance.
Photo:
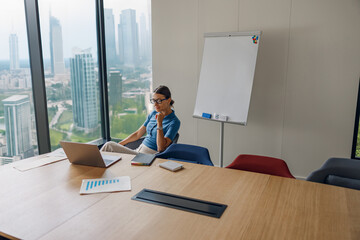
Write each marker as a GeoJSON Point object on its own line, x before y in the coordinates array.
{"type": "Point", "coordinates": [187, 204]}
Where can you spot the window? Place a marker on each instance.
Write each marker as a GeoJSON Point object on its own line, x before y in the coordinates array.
{"type": "Point", "coordinates": [74, 75]}
{"type": "Point", "coordinates": [355, 153]}
{"type": "Point", "coordinates": [69, 44]}
{"type": "Point", "coordinates": [17, 120]}
{"type": "Point", "coordinates": [129, 65]}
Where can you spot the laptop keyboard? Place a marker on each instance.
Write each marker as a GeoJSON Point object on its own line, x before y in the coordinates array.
{"type": "Point", "coordinates": [107, 162]}
{"type": "Point", "coordinates": [110, 158]}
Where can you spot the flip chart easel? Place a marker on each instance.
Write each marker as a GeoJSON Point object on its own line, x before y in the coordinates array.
{"type": "Point", "coordinates": [226, 79]}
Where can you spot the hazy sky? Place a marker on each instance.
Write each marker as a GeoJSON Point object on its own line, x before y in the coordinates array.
{"type": "Point", "coordinates": [77, 18]}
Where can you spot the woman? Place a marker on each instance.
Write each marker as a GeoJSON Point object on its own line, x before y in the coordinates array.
{"type": "Point", "coordinates": [161, 127]}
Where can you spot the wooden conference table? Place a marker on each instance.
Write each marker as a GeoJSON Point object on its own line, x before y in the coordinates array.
{"type": "Point", "coordinates": [44, 203]}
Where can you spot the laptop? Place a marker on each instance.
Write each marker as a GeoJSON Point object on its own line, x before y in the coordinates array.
{"type": "Point", "coordinates": [87, 154]}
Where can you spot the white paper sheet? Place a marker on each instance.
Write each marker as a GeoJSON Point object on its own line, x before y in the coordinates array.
{"type": "Point", "coordinates": [99, 185]}
{"type": "Point", "coordinates": [38, 163]}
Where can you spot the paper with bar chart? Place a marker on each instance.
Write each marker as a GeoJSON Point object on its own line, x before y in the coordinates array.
{"type": "Point", "coordinates": [100, 185]}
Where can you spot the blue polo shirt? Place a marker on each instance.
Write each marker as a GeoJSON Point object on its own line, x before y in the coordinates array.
{"type": "Point", "coordinates": [171, 125]}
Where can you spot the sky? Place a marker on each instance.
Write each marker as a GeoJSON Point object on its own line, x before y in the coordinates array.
{"type": "Point", "coordinates": [77, 18]}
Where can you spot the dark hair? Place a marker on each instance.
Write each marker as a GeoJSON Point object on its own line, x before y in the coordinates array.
{"type": "Point", "coordinates": [164, 90]}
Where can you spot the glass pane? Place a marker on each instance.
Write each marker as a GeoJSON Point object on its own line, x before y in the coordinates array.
{"type": "Point", "coordinates": [129, 65]}
{"type": "Point", "coordinates": [357, 151]}
{"type": "Point", "coordinates": [68, 33]}
{"type": "Point", "coordinates": [17, 130]}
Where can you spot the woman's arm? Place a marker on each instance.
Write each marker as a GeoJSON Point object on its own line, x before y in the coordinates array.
{"type": "Point", "coordinates": [134, 136]}
{"type": "Point", "coordinates": [161, 141]}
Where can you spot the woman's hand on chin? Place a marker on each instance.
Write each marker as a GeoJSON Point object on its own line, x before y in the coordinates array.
{"type": "Point", "coordinates": [159, 117]}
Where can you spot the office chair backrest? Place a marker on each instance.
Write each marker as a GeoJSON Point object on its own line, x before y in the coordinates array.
{"type": "Point", "coordinates": [342, 172]}
{"type": "Point", "coordinates": [261, 164]}
{"type": "Point", "coordinates": [187, 153]}
{"type": "Point", "coordinates": [176, 138]}
{"type": "Point", "coordinates": [134, 145]}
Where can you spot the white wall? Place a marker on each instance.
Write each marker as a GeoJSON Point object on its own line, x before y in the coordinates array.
{"type": "Point", "coordinates": [305, 88]}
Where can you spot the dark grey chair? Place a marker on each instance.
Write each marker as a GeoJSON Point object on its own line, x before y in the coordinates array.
{"type": "Point", "coordinates": [134, 145]}
{"type": "Point", "coordinates": [342, 172]}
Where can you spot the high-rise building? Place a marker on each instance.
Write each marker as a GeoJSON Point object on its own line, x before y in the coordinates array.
{"type": "Point", "coordinates": [110, 38]}
{"type": "Point", "coordinates": [115, 88]}
{"type": "Point", "coordinates": [128, 38]}
{"type": "Point", "coordinates": [18, 126]}
{"type": "Point", "coordinates": [56, 47]}
{"type": "Point", "coordinates": [150, 31]}
{"type": "Point", "coordinates": [143, 45]}
{"type": "Point", "coordinates": [120, 45]}
{"type": "Point", "coordinates": [83, 90]}
{"type": "Point", "coordinates": [14, 52]}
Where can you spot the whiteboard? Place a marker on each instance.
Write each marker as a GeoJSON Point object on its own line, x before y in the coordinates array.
{"type": "Point", "coordinates": [226, 76]}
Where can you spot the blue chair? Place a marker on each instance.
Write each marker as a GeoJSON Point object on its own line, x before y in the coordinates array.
{"type": "Point", "coordinates": [187, 153]}
{"type": "Point", "coordinates": [342, 172]}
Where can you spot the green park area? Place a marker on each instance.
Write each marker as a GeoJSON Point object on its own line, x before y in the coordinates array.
{"type": "Point", "coordinates": [51, 113]}
{"type": "Point", "coordinates": [122, 126]}
{"type": "Point", "coordinates": [65, 121]}
{"type": "Point", "coordinates": [81, 136]}
{"type": "Point", "coordinates": [55, 138]}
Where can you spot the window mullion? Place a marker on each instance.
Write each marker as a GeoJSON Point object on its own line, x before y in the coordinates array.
{"type": "Point", "coordinates": [104, 107]}
{"type": "Point", "coordinates": [37, 75]}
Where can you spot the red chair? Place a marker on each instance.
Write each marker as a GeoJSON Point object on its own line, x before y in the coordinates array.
{"type": "Point", "coordinates": [261, 164]}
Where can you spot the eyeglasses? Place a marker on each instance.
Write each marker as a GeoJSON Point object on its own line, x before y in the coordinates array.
{"type": "Point", "coordinates": [158, 101]}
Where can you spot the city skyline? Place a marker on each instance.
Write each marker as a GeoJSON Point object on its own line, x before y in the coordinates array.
{"type": "Point", "coordinates": [71, 81]}
{"type": "Point", "coordinates": [12, 20]}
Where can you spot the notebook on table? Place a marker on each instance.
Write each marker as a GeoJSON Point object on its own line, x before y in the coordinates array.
{"type": "Point", "coordinates": [143, 159]}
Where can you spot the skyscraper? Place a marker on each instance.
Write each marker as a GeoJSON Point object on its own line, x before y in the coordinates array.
{"type": "Point", "coordinates": [150, 31]}
{"type": "Point", "coordinates": [145, 47]}
{"type": "Point", "coordinates": [115, 88]}
{"type": "Point", "coordinates": [120, 45]}
{"type": "Point", "coordinates": [18, 126]}
{"type": "Point", "coordinates": [83, 90]}
{"type": "Point", "coordinates": [14, 52]}
{"type": "Point", "coordinates": [110, 38]}
{"type": "Point", "coordinates": [56, 47]}
{"type": "Point", "coordinates": [128, 32]}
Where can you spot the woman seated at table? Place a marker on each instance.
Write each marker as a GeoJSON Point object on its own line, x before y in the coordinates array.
{"type": "Point", "coordinates": [161, 127]}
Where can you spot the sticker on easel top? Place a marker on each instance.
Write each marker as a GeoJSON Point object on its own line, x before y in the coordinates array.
{"type": "Point", "coordinates": [220, 117]}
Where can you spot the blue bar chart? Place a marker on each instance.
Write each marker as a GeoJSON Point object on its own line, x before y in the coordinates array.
{"type": "Point", "coordinates": [102, 185]}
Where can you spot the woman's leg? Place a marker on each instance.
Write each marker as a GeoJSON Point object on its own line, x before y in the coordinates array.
{"type": "Point", "coordinates": [145, 149]}
{"type": "Point", "coordinates": [116, 147]}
